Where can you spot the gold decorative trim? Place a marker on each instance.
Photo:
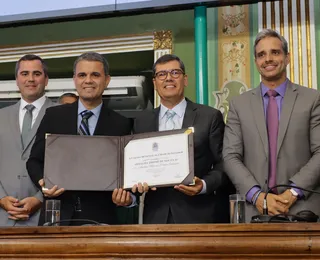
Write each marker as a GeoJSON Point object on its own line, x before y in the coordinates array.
{"type": "Point", "coordinates": [298, 7]}
{"type": "Point", "coordinates": [264, 15]}
{"type": "Point", "coordinates": [307, 10]}
{"type": "Point", "coordinates": [281, 18]}
{"type": "Point", "coordinates": [290, 40]}
{"type": "Point", "coordinates": [273, 16]}
{"type": "Point", "coordinates": [162, 40]}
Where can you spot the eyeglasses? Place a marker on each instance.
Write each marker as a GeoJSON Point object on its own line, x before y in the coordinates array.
{"type": "Point", "coordinates": [163, 74]}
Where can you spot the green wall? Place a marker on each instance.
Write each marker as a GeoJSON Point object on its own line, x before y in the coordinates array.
{"type": "Point", "coordinates": [180, 22]}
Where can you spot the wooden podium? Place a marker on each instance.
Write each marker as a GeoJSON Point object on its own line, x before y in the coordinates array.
{"type": "Point", "coordinates": [247, 241]}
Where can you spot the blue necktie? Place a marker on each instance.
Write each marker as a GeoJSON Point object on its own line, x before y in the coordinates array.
{"type": "Point", "coordinates": [84, 126]}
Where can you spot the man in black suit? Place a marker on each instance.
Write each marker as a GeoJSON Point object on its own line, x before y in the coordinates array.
{"type": "Point", "coordinates": [91, 77]}
{"type": "Point", "coordinates": [185, 204]}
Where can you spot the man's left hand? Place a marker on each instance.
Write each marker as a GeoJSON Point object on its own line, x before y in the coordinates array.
{"type": "Point", "coordinates": [287, 195]}
{"type": "Point", "coordinates": [29, 205]}
{"type": "Point", "coordinates": [121, 197]}
{"type": "Point", "coordinates": [191, 190]}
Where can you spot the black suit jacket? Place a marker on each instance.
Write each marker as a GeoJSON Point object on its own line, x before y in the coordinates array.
{"type": "Point", "coordinates": [208, 136]}
{"type": "Point", "coordinates": [62, 119]}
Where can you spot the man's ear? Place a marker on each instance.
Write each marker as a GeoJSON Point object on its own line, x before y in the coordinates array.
{"type": "Point", "coordinates": [288, 59]}
{"type": "Point", "coordinates": [185, 80]}
{"type": "Point", "coordinates": [108, 78]}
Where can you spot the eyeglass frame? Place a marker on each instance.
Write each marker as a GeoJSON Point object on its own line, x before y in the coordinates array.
{"type": "Point", "coordinates": [181, 72]}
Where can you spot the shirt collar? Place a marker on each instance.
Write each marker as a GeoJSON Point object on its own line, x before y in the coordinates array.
{"type": "Point", "coordinates": [38, 103]}
{"type": "Point", "coordinates": [281, 89]}
{"type": "Point", "coordinates": [178, 109]}
{"type": "Point", "coordinates": [96, 111]}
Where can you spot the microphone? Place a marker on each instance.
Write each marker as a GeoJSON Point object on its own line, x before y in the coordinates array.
{"type": "Point", "coordinates": [92, 222]}
{"type": "Point", "coordinates": [265, 218]}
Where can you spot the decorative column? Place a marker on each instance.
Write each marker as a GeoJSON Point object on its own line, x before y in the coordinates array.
{"type": "Point", "coordinates": [162, 44]}
{"type": "Point", "coordinates": [200, 32]}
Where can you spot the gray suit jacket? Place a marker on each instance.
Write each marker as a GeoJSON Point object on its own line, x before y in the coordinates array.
{"type": "Point", "coordinates": [14, 178]}
{"type": "Point", "coordinates": [246, 152]}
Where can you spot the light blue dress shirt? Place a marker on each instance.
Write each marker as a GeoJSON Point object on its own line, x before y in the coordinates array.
{"type": "Point", "coordinates": [93, 120]}
{"type": "Point", "coordinates": [180, 110]}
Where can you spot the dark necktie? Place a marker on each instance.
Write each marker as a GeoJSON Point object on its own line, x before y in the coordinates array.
{"type": "Point", "coordinates": [84, 126]}
{"type": "Point", "coordinates": [26, 125]}
{"type": "Point", "coordinates": [273, 125]}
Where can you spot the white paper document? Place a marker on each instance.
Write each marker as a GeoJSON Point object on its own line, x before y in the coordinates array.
{"type": "Point", "coordinates": [158, 161]}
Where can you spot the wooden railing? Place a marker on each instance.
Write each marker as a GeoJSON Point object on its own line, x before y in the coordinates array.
{"type": "Point", "coordinates": [247, 241]}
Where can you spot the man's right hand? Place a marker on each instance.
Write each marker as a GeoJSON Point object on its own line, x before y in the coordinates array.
{"type": "Point", "coordinates": [7, 204]}
{"type": "Point", "coordinates": [276, 204]}
{"type": "Point", "coordinates": [51, 193]}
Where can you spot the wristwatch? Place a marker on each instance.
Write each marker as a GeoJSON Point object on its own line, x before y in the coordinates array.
{"type": "Point", "coordinates": [294, 193]}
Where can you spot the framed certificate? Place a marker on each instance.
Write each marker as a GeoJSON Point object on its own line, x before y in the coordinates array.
{"type": "Point", "coordinates": [162, 159]}
{"type": "Point", "coordinates": [76, 162]}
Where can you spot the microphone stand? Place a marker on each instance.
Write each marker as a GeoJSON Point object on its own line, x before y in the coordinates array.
{"type": "Point", "coordinates": [91, 222]}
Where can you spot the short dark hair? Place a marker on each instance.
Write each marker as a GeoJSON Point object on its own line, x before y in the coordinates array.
{"type": "Point", "coordinates": [30, 57]}
{"type": "Point", "coordinates": [166, 58]}
{"type": "Point", "coordinates": [67, 95]}
{"type": "Point", "coordinates": [265, 33]}
{"type": "Point", "coordinates": [92, 56]}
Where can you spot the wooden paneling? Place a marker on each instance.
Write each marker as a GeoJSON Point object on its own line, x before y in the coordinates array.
{"type": "Point", "coordinates": [248, 241]}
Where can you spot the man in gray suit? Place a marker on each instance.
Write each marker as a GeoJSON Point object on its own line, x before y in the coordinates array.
{"type": "Point", "coordinates": [20, 200]}
{"type": "Point", "coordinates": [272, 136]}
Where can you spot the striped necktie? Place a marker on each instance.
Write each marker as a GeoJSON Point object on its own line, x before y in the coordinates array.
{"type": "Point", "coordinates": [170, 124]}
{"type": "Point", "coordinates": [84, 126]}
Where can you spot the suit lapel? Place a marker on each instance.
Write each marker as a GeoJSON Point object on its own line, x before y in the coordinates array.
{"type": "Point", "coordinates": [151, 121]}
{"type": "Point", "coordinates": [102, 127]}
{"type": "Point", "coordinates": [287, 107]}
{"type": "Point", "coordinates": [36, 124]}
{"type": "Point", "coordinates": [190, 115]}
{"type": "Point", "coordinates": [14, 123]}
{"type": "Point", "coordinates": [260, 120]}
{"type": "Point", "coordinates": [154, 122]}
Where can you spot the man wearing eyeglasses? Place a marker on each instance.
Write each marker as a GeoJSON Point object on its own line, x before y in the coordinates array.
{"type": "Point", "coordinates": [184, 204]}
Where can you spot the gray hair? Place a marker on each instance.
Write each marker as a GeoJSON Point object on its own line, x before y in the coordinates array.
{"type": "Point", "coordinates": [270, 33]}
{"type": "Point", "coordinates": [31, 57]}
{"type": "Point", "coordinates": [92, 56]}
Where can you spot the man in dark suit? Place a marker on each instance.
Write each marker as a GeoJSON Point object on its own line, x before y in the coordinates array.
{"type": "Point", "coordinates": [91, 77]}
{"type": "Point", "coordinates": [184, 204]}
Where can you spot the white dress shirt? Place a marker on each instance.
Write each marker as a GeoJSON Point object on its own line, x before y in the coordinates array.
{"type": "Point", "coordinates": [35, 112]}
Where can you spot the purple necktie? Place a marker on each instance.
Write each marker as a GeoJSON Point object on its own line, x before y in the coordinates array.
{"type": "Point", "coordinates": [273, 125]}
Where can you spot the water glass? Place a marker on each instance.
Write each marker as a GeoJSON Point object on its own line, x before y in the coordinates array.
{"type": "Point", "coordinates": [237, 208]}
{"type": "Point", "coordinates": [52, 212]}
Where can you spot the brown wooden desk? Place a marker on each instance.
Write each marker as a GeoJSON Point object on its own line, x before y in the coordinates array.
{"type": "Point", "coordinates": [248, 241]}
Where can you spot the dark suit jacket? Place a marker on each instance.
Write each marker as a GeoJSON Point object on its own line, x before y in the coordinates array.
{"type": "Point", "coordinates": [62, 119]}
{"type": "Point", "coordinates": [209, 128]}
